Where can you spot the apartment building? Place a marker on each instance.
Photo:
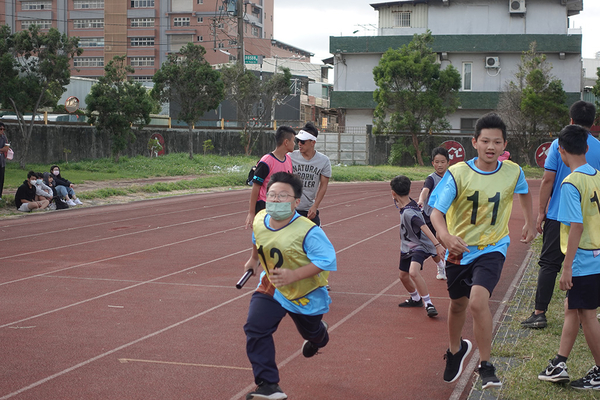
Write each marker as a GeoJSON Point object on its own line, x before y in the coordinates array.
{"type": "Point", "coordinates": [483, 39]}
{"type": "Point", "coordinates": [147, 30]}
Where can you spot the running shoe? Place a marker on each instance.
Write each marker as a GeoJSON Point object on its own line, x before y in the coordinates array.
{"type": "Point", "coordinates": [590, 381]}
{"type": "Point", "coordinates": [535, 321]}
{"type": "Point", "coordinates": [487, 373]}
{"type": "Point", "coordinates": [454, 362]}
{"type": "Point", "coordinates": [267, 391]}
{"type": "Point", "coordinates": [411, 303]}
{"type": "Point", "coordinates": [431, 311]}
{"type": "Point", "coordinates": [556, 373]}
{"type": "Point", "coordinates": [309, 349]}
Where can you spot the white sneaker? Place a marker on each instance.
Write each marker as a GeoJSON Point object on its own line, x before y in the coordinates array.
{"type": "Point", "coordinates": [78, 202]}
{"type": "Point", "coordinates": [52, 206]}
{"type": "Point", "coordinates": [441, 275]}
{"type": "Point", "coordinates": [71, 203]}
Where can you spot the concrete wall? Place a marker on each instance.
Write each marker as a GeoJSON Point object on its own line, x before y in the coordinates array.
{"type": "Point", "coordinates": [49, 141]}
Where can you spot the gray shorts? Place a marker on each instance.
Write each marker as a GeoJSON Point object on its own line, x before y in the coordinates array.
{"type": "Point", "coordinates": [24, 207]}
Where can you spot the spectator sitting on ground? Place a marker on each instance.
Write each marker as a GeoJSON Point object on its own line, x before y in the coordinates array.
{"type": "Point", "coordinates": [25, 196]}
{"type": "Point", "coordinates": [58, 203]}
{"type": "Point", "coordinates": [64, 187]}
{"type": "Point", "coordinates": [42, 191]}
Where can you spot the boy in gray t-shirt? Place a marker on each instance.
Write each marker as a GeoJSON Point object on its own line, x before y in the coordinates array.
{"type": "Point", "coordinates": [314, 169]}
{"type": "Point", "coordinates": [417, 243]}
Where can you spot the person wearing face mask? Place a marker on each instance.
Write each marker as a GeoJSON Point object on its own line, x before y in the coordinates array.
{"type": "Point", "coordinates": [25, 196]}
{"type": "Point", "coordinates": [64, 187]}
{"type": "Point", "coordinates": [296, 257]}
{"type": "Point", "coordinates": [42, 191]}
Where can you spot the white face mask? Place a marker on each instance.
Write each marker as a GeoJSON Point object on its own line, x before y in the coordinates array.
{"type": "Point", "coordinates": [33, 181]}
{"type": "Point", "coordinates": [39, 181]}
{"type": "Point", "coordinates": [56, 172]}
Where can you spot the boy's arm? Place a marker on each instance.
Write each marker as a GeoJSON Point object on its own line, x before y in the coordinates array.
{"type": "Point", "coordinates": [439, 248]}
{"type": "Point", "coordinates": [252, 208]}
{"type": "Point", "coordinates": [455, 244]}
{"type": "Point", "coordinates": [323, 182]}
{"type": "Point", "coordinates": [528, 231]}
{"type": "Point", "coordinates": [423, 197]}
{"type": "Point", "coordinates": [283, 276]}
{"type": "Point", "coordinates": [544, 197]}
{"type": "Point", "coordinates": [252, 262]}
{"type": "Point", "coordinates": [566, 277]}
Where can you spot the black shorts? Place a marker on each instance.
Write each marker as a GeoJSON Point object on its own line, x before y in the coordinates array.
{"type": "Point", "coordinates": [484, 271]}
{"type": "Point", "coordinates": [416, 256]}
{"type": "Point", "coordinates": [260, 205]}
{"type": "Point", "coordinates": [585, 293]}
{"type": "Point", "coordinates": [316, 219]}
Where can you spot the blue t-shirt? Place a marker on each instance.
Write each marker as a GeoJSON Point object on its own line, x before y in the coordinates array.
{"type": "Point", "coordinates": [586, 262]}
{"type": "Point", "coordinates": [320, 252]}
{"type": "Point", "coordinates": [555, 164]}
{"type": "Point", "coordinates": [444, 194]}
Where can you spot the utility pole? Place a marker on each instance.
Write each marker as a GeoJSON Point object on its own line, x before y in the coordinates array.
{"type": "Point", "coordinates": [240, 15]}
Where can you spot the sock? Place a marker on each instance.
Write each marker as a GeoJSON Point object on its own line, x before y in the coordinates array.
{"type": "Point", "coordinates": [415, 296]}
{"type": "Point", "coordinates": [427, 300]}
{"type": "Point", "coordinates": [441, 264]}
{"type": "Point", "coordinates": [558, 359]}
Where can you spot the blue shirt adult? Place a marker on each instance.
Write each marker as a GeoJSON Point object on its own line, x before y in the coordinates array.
{"type": "Point", "coordinates": [555, 164]}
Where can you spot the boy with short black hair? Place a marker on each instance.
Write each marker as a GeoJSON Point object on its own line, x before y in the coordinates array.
{"type": "Point", "coordinates": [296, 258]}
{"type": "Point", "coordinates": [579, 215]}
{"type": "Point", "coordinates": [276, 161]}
{"type": "Point", "coordinates": [25, 196]}
{"type": "Point", "coordinates": [440, 159]}
{"type": "Point", "coordinates": [417, 243]}
{"type": "Point", "coordinates": [476, 196]}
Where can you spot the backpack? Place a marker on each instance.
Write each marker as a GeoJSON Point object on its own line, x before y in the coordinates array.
{"type": "Point", "coordinates": [60, 203]}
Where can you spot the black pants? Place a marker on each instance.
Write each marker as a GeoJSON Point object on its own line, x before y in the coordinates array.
{"type": "Point", "coordinates": [551, 259]}
{"type": "Point", "coordinates": [2, 169]}
{"type": "Point", "coordinates": [316, 219]}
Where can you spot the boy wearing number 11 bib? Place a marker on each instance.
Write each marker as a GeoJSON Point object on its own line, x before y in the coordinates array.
{"type": "Point", "coordinates": [476, 197]}
{"type": "Point", "coordinates": [296, 257]}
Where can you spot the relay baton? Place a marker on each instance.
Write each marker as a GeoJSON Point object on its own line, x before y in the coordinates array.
{"type": "Point", "coordinates": [244, 279]}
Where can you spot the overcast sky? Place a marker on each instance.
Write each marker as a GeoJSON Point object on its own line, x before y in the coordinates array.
{"type": "Point", "coordinates": [308, 24]}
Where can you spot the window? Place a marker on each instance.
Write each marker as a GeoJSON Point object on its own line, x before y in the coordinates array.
{"type": "Point", "coordinates": [200, 20]}
{"type": "Point", "coordinates": [88, 23]}
{"type": "Point", "coordinates": [142, 3]}
{"type": "Point", "coordinates": [467, 76]}
{"type": "Point", "coordinates": [141, 78]}
{"type": "Point", "coordinates": [255, 31]}
{"type": "Point", "coordinates": [36, 5]}
{"type": "Point", "coordinates": [200, 38]}
{"type": "Point", "coordinates": [200, 1]}
{"type": "Point", "coordinates": [402, 19]}
{"type": "Point", "coordinates": [141, 61]}
{"type": "Point", "coordinates": [142, 22]}
{"type": "Point", "coordinates": [41, 23]}
{"type": "Point", "coordinates": [141, 41]}
{"type": "Point", "coordinates": [91, 42]}
{"type": "Point", "coordinates": [88, 62]}
{"type": "Point", "coordinates": [467, 125]}
{"type": "Point", "coordinates": [85, 4]}
{"type": "Point", "coordinates": [181, 21]}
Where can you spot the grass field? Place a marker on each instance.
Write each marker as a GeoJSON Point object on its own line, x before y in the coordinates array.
{"type": "Point", "coordinates": [211, 171]}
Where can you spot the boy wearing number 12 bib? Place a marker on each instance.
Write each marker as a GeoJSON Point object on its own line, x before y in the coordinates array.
{"type": "Point", "coordinates": [296, 257]}
{"type": "Point", "coordinates": [476, 197]}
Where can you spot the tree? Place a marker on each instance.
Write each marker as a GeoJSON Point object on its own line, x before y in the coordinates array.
{"type": "Point", "coordinates": [255, 99]}
{"type": "Point", "coordinates": [34, 70]}
{"type": "Point", "coordinates": [414, 94]}
{"type": "Point", "coordinates": [189, 81]}
{"type": "Point", "coordinates": [534, 104]}
{"type": "Point", "coordinates": [596, 92]}
{"type": "Point", "coordinates": [115, 104]}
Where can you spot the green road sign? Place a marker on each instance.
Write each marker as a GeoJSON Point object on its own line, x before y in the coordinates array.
{"type": "Point", "coordinates": [252, 59]}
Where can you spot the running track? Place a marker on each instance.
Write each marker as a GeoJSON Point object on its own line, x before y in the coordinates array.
{"type": "Point", "coordinates": [137, 301]}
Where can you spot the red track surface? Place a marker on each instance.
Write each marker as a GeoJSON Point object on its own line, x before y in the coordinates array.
{"type": "Point", "coordinates": [137, 301]}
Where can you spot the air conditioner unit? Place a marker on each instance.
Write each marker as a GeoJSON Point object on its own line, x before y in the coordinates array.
{"type": "Point", "coordinates": [516, 6]}
{"type": "Point", "coordinates": [492, 62]}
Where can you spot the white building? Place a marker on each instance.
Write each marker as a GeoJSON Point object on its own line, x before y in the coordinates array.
{"type": "Point", "coordinates": [482, 39]}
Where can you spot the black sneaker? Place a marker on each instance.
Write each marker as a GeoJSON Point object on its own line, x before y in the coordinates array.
{"type": "Point", "coordinates": [267, 391]}
{"type": "Point", "coordinates": [411, 303]}
{"type": "Point", "coordinates": [535, 321]}
{"type": "Point", "coordinates": [487, 373]}
{"type": "Point", "coordinates": [309, 349]}
{"type": "Point", "coordinates": [454, 362]}
{"type": "Point", "coordinates": [590, 381]}
{"type": "Point", "coordinates": [555, 373]}
{"type": "Point", "coordinates": [431, 311]}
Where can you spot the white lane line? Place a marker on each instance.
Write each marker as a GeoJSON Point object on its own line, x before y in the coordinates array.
{"type": "Point", "coordinates": [86, 362]}
{"type": "Point", "coordinates": [133, 360]}
{"type": "Point", "coordinates": [116, 349]}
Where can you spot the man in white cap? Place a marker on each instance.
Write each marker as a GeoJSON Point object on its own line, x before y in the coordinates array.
{"type": "Point", "coordinates": [314, 169]}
